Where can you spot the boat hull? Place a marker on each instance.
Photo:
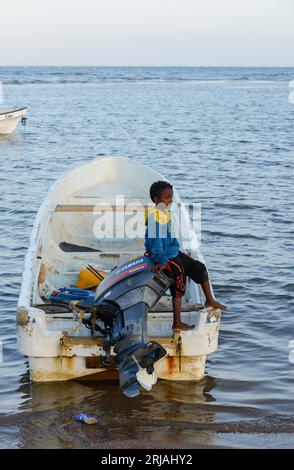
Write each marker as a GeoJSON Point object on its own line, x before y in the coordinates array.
{"type": "Point", "coordinates": [9, 120]}
{"type": "Point", "coordinates": [54, 369]}
{"type": "Point", "coordinates": [60, 357]}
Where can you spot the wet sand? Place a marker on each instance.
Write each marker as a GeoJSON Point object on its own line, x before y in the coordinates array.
{"type": "Point", "coordinates": [133, 424]}
{"type": "Point", "coordinates": [48, 432]}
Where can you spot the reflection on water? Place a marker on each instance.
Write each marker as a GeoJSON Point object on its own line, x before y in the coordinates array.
{"type": "Point", "coordinates": [12, 137]}
{"type": "Point", "coordinates": [184, 392]}
{"type": "Point", "coordinates": [53, 395]}
{"type": "Point", "coordinates": [172, 415]}
{"type": "Point", "coordinates": [50, 395]}
{"type": "Point", "coordinates": [53, 406]}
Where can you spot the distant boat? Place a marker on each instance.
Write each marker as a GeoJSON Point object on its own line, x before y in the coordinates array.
{"type": "Point", "coordinates": [57, 343]}
{"type": "Point", "coordinates": [9, 118]}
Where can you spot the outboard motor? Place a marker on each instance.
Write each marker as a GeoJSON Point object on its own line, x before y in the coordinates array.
{"type": "Point", "coordinates": [122, 302]}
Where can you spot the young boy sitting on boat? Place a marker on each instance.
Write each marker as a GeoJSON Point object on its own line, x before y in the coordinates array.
{"type": "Point", "coordinates": [164, 250]}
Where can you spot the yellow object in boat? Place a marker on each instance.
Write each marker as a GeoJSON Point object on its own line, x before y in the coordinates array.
{"type": "Point", "coordinates": [90, 277]}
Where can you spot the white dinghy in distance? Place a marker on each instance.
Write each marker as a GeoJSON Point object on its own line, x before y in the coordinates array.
{"type": "Point", "coordinates": [58, 344]}
{"type": "Point", "coordinates": [9, 118]}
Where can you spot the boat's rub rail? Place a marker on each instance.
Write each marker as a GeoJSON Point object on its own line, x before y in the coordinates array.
{"type": "Point", "coordinates": [8, 113]}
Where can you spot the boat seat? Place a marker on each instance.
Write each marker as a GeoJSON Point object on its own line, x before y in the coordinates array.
{"type": "Point", "coordinates": [92, 208]}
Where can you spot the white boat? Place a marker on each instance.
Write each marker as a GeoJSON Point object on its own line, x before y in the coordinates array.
{"type": "Point", "coordinates": [58, 345]}
{"type": "Point", "coordinates": [9, 118]}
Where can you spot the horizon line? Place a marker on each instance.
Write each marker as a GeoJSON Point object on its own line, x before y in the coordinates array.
{"type": "Point", "coordinates": [148, 66]}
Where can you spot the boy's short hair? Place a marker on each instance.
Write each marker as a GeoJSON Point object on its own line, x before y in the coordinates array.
{"type": "Point", "coordinates": [157, 188]}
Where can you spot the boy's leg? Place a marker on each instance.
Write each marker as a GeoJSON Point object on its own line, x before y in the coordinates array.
{"type": "Point", "coordinates": [174, 269]}
{"type": "Point", "coordinates": [178, 324]}
{"type": "Point", "coordinates": [197, 271]}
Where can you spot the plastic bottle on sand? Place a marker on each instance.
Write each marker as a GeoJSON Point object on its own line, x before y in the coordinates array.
{"type": "Point", "coordinates": [86, 418]}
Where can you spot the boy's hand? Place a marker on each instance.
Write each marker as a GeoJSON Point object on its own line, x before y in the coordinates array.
{"type": "Point", "coordinates": [158, 268]}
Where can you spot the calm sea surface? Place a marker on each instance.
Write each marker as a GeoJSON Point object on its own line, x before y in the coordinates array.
{"type": "Point", "coordinates": [225, 139]}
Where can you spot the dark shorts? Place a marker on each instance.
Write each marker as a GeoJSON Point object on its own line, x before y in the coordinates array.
{"type": "Point", "coordinates": [179, 268]}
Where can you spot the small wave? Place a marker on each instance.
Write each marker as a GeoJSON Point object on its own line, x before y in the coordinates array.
{"type": "Point", "coordinates": [228, 287]}
{"type": "Point", "coordinates": [239, 206]}
{"type": "Point", "coordinates": [233, 235]}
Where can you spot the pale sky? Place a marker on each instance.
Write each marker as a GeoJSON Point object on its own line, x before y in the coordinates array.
{"type": "Point", "coordinates": [147, 32]}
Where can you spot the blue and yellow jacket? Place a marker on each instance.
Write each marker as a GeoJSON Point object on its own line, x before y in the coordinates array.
{"type": "Point", "coordinates": [159, 239]}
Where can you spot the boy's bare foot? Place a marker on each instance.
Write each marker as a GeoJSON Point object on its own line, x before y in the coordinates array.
{"type": "Point", "coordinates": [182, 326]}
{"type": "Point", "coordinates": [215, 304]}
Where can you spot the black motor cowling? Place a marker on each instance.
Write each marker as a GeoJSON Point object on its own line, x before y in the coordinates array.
{"type": "Point", "coordinates": [122, 302]}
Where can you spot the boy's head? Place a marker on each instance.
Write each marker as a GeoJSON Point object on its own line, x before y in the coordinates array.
{"type": "Point", "coordinates": [161, 192]}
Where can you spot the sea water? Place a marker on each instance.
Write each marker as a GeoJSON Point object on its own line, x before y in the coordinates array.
{"type": "Point", "coordinates": [224, 137]}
